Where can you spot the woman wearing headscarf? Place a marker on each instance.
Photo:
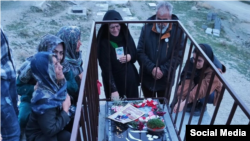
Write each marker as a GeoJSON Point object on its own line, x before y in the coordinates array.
{"type": "Point", "coordinates": [10, 129]}
{"type": "Point", "coordinates": [26, 83]}
{"type": "Point", "coordinates": [117, 55]}
{"type": "Point", "coordinates": [71, 36]}
{"type": "Point", "coordinates": [50, 102]}
{"type": "Point", "coordinates": [201, 64]}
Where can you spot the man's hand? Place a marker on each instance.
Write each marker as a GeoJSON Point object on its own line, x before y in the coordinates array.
{"type": "Point", "coordinates": [157, 73]}
{"type": "Point", "coordinates": [115, 96]}
{"type": "Point", "coordinates": [182, 104]}
{"type": "Point", "coordinates": [123, 59]}
{"type": "Point", "coordinates": [66, 104]}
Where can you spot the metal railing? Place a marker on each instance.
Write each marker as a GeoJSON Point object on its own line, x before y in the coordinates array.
{"type": "Point", "coordinates": [87, 113]}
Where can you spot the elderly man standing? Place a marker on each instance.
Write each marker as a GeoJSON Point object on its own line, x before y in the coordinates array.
{"type": "Point", "coordinates": [159, 52]}
{"type": "Point", "coordinates": [10, 129]}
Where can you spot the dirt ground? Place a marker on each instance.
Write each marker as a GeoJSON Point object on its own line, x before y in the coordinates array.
{"type": "Point", "coordinates": [25, 23]}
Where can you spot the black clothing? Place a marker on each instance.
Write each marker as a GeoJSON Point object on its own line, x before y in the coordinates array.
{"type": "Point", "coordinates": [47, 126]}
{"type": "Point", "coordinates": [148, 55]}
{"type": "Point", "coordinates": [115, 73]}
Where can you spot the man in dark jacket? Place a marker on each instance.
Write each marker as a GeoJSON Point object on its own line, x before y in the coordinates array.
{"type": "Point", "coordinates": [10, 129]}
{"type": "Point", "coordinates": [159, 51]}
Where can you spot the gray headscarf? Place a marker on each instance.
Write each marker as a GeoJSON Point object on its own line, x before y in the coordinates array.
{"type": "Point", "coordinates": [48, 43]}
{"type": "Point", "coordinates": [73, 60]}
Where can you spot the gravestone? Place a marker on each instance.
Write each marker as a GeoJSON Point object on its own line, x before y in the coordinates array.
{"type": "Point", "coordinates": [102, 7]}
{"type": "Point", "coordinates": [133, 25]}
{"type": "Point", "coordinates": [217, 23]}
{"type": "Point", "coordinates": [118, 2]}
{"type": "Point", "coordinates": [40, 6]}
{"type": "Point", "coordinates": [152, 5]}
{"type": "Point", "coordinates": [209, 30]}
{"type": "Point", "coordinates": [99, 16]}
{"type": "Point", "coordinates": [209, 16]}
{"type": "Point", "coordinates": [78, 10]}
{"type": "Point", "coordinates": [73, 2]}
{"type": "Point", "coordinates": [124, 12]}
{"type": "Point", "coordinates": [99, 1]}
{"type": "Point", "coordinates": [216, 32]}
{"type": "Point", "coordinates": [214, 16]}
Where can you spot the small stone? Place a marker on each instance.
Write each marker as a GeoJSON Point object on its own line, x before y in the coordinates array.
{"type": "Point", "coordinates": [150, 139]}
{"type": "Point", "coordinates": [193, 8]}
{"type": "Point", "coordinates": [155, 137]}
{"type": "Point", "coordinates": [149, 136]}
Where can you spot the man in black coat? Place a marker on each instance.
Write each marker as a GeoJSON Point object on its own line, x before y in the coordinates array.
{"type": "Point", "coordinates": [159, 52]}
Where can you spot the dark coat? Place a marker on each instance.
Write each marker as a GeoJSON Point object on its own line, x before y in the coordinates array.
{"type": "Point", "coordinates": [148, 54]}
{"type": "Point", "coordinates": [188, 68]}
{"type": "Point", "coordinates": [26, 90]}
{"type": "Point", "coordinates": [114, 73]}
{"type": "Point", "coordinates": [216, 86]}
{"type": "Point", "coordinates": [47, 125]}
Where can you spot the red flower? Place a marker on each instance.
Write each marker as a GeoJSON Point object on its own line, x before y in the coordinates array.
{"type": "Point", "coordinates": [143, 105]}
{"type": "Point", "coordinates": [99, 84]}
{"type": "Point", "coordinates": [137, 106]}
{"type": "Point", "coordinates": [160, 113]}
{"type": "Point", "coordinates": [140, 126]}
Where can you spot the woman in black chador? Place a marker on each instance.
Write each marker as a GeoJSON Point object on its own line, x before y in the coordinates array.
{"type": "Point", "coordinates": [117, 55]}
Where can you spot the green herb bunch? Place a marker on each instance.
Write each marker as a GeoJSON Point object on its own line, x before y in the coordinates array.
{"type": "Point", "coordinates": [155, 123]}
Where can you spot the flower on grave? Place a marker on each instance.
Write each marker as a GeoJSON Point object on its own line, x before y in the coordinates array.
{"type": "Point", "coordinates": [153, 116]}
{"type": "Point", "coordinates": [152, 104]}
{"type": "Point", "coordinates": [138, 105]}
{"type": "Point", "coordinates": [150, 113]}
{"type": "Point", "coordinates": [160, 113]}
{"type": "Point", "coordinates": [149, 99]}
{"type": "Point", "coordinates": [140, 125]}
{"type": "Point", "coordinates": [153, 108]}
{"type": "Point", "coordinates": [142, 119]}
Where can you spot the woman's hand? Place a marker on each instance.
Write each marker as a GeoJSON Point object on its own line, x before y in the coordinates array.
{"type": "Point", "coordinates": [123, 58]}
{"type": "Point", "coordinates": [66, 104]}
{"type": "Point", "coordinates": [36, 86]}
{"type": "Point", "coordinates": [80, 75]}
{"type": "Point", "coordinates": [182, 104]}
{"type": "Point", "coordinates": [115, 95]}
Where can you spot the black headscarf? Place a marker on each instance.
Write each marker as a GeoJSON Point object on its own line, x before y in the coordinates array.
{"type": "Point", "coordinates": [112, 15]}
{"type": "Point", "coordinates": [103, 32]}
{"type": "Point", "coordinates": [104, 29]}
{"type": "Point", "coordinates": [208, 51]}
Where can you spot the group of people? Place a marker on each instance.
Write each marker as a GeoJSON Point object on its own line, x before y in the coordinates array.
{"type": "Point", "coordinates": [159, 53]}
{"type": "Point", "coordinates": [48, 82]}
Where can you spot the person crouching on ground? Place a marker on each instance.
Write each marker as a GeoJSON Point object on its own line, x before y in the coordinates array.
{"type": "Point", "coordinates": [201, 64]}
{"type": "Point", "coordinates": [50, 102]}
